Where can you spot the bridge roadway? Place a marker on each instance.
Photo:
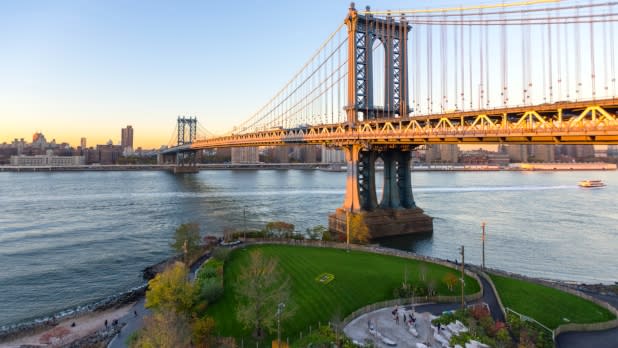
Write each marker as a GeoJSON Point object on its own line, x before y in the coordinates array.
{"type": "Point", "coordinates": [582, 122]}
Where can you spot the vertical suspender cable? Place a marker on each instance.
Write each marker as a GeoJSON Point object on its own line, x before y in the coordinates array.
{"type": "Point", "coordinates": [444, 67]}
{"type": "Point", "coordinates": [605, 74]}
{"type": "Point", "coordinates": [417, 68]}
{"type": "Point", "coordinates": [462, 59]}
{"type": "Point", "coordinates": [577, 59]}
{"type": "Point", "coordinates": [388, 55]}
{"type": "Point", "coordinates": [332, 86]}
{"type": "Point", "coordinates": [429, 70]}
{"type": "Point", "coordinates": [566, 57]}
{"type": "Point", "coordinates": [544, 63]}
{"type": "Point", "coordinates": [529, 61]}
{"type": "Point", "coordinates": [611, 49]}
{"type": "Point", "coordinates": [339, 79]}
{"type": "Point", "coordinates": [523, 60]}
{"type": "Point", "coordinates": [455, 65]}
{"type": "Point", "coordinates": [487, 89]}
{"type": "Point", "coordinates": [550, 66]}
{"type": "Point", "coordinates": [558, 59]}
{"type": "Point", "coordinates": [481, 92]}
{"type": "Point", "coordinates": [471, 96]}
{"type": "Point", "coordinates": [592, 70]}
{"type": "Point", "coordinates": [504, 59]}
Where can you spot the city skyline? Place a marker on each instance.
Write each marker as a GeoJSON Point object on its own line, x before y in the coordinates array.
{"type": "Point", "coordinates": [74, 70]}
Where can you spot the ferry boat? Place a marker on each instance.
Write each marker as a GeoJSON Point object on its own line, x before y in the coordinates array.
{"type": "Point", "coordinates": [591, 183]}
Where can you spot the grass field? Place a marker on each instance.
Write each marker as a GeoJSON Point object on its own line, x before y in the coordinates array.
{"type": "Point", "coordinates": [359, 279]}
{"type": "Point", "coordinates": [547, 305]}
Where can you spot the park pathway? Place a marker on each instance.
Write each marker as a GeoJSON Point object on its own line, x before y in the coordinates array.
{"type": "Point", "coordinates": [134, 320]}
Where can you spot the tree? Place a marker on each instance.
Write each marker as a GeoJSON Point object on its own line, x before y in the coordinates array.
{"type": "Point", "coordinates": [279, 229]}
{"type": "Point", "coordinates": [164, 329]}
{"type": "Point", "coordinates": [201, 331]}
{"type": "Point", "coordinates": [359, 232]}
{"type": "Point", "coordinates": [260, 289]}
{"type": "Point", "coordinates": [187, 240]}
{"type": "Point", "coordinates": [450, 280]}
{"type": "Point", "coordinates": [171, 290]}
{"type": "Point", "coordinates": [316, 232]}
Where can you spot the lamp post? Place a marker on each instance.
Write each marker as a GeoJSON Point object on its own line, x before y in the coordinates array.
{"type": "Point", "coordinates": [244, 218]}
{"type": "Point", "coordinates": [280, 308]}
{"type": "Point", "coordinates": [483, 243]}
{"type": "Point", "coordinates": [347, 229]}
{"type": "Point", "coordinates": [463, 304]}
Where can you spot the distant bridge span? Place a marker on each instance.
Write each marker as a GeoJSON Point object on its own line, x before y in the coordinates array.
{"type": "Point", "coordinates": [585, 122]}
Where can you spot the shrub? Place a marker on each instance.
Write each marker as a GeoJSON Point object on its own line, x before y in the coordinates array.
{"type": "Point", "coordinates": [479, 311]}
{"type": "Point", "coordinates": [211, 289]}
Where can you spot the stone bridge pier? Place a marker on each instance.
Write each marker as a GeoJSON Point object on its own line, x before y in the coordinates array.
{"type": "Point", "coordinates": [396, 212]}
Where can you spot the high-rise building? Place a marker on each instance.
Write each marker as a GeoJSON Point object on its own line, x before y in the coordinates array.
{"type": "Point", "coordinates": [82, 143]}
{"type": "Point", "coordinates": [543, 153]}
{"type": "Point", "coordinates": [518, 153]}
{"type": "Point", "coordinates": [442, 153]}
{"type": "Point", "coordinates": [332, 155]}
{"type": "Point", "coordinates": [126, 141]}
{"type": "Point", "coordinates": [245, 155]}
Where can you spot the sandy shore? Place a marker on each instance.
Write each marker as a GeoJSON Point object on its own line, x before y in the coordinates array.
{"type": "Point", "coordinates": [85, 325]}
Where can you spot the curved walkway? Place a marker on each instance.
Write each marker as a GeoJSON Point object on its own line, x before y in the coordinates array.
{"type": "Point", "coordinates": [135, 319]}
{"type": "Point", "coordinates": [574, 339]}
{"type": "Point", "coordinates": [597, 339]}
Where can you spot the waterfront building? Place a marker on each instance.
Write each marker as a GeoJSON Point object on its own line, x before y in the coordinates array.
{"type": "Point", "coordinates": [305, 153]}
{"type": "Point", "coordinates": [332, 155]}
{"type": "Point", "coordinates": [442, 153]}
{"type": "Point", "coordinates": [517, 153]}
{"type": "Point", "coordinates": [108, 154]}
{"type": "Point", "coordinates": [578, 152]}
{"type": "Point", "coordinates": [245, 155]}
{"type": "Point", "coordinates": [47, 160]}
{"type": "Point", "coordinates": [542, 153]}
{"type": "Point", "coordinates": [484, 157]}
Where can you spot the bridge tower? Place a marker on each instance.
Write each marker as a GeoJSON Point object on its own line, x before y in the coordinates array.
{"type": "Point", "coordinates": [186, 158]}
{"type": "Point", "coordinates": [396, 213]}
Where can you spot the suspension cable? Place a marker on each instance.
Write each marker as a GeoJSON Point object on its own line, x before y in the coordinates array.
{"type": "Point", "coordinates": [592, 65]}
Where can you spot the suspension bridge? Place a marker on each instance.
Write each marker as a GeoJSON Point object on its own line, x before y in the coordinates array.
{"type": "Point", "coordinates": [385, 82]}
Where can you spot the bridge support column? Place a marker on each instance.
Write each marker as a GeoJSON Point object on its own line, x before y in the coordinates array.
{"type": "Point", "coordinates": [397, 213]}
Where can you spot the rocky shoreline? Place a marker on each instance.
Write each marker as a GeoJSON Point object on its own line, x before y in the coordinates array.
{"type": "Point", "coordinates": [33, 327]}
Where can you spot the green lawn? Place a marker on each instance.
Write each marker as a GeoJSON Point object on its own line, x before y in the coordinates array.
{"type": "Point", "coordinates": [547, 305]}
{"type": "Point", "coordinates": [360, 279]}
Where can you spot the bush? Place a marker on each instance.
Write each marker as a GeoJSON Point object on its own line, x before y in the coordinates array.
{"type": "Point", "coordinates": [211, 290]}
{"type": "Point", "coordinates": [324, 336]}
{"type": "Point", "coordinates": [450, 317]}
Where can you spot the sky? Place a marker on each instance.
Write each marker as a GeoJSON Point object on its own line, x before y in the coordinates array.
{"type": "Point", "coordinates": [73, 69]}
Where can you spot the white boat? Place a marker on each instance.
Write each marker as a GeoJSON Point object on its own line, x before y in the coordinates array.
{"type": "Point", "coordinates": [591, 183]}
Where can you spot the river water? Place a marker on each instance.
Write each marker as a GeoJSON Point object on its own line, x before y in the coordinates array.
{"type": "Point", "coordinates": [68, 239]}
